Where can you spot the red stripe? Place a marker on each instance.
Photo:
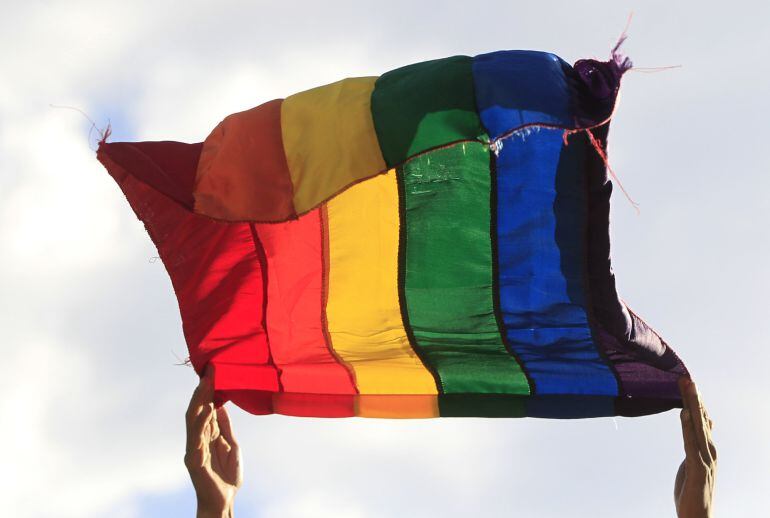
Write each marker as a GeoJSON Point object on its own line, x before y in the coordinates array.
{"type": "Point", "coordinates": [295, 309]}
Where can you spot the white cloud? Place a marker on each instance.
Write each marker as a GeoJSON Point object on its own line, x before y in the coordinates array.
{"type": "Point", "coordinates": [62, 216]}
{"type": "Point", "coordinates": [316, 504]}
{"type": "Point", "coordinates": [57, 462]}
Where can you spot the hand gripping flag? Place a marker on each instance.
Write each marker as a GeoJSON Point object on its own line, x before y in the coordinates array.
{"type": "Point", "coordinates": [430, 242]}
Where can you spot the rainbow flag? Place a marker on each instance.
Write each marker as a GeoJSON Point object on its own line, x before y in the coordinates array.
{"type": "Point", "coordinates": [430, 242]}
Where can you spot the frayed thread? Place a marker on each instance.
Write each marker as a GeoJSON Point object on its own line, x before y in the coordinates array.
{"type": "Point", "coordinates": [600, 150]}
{"type": "Point", "coordinates": [597, 145]}
{"type": "Point", "coordinates": [186, 362]}
{"type": "Point", "coordinates": [653, 70]}
{"type": "Point", "coordinates": [104, 134]}
{"type": "Point", "coordinates": [622, 62]}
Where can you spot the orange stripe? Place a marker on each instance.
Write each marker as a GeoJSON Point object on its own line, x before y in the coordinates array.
{"type": "Point", "coordinates": [242, 173]}
{"type": "Point", "coordinates": [397, 406]}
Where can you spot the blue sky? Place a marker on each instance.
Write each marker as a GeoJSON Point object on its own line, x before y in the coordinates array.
{"type": "Point", "coordinates": [92, 399]}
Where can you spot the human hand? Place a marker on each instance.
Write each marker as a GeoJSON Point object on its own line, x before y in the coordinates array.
{"type": "Point", "coordinates": [694, 485]}
{"type": "Point", "coordinates": [212, 456]}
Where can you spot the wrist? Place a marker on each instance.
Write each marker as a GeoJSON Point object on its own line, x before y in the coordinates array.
{"type": "Point", "coordinates": [211, 512]}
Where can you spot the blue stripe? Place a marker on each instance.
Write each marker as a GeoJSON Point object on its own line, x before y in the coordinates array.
{"type": "Point", "coordinates": [541, 222]}
{"type": "Point", "coordinates": [519, 87]}
{"type": "Point", "coordinates": [540, 230]}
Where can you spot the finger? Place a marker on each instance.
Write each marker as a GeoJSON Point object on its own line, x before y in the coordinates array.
{"type": "Point", "coordinates": [193, 408]}
{"type": "Point", "coordinates": [712, 448]}
{"type": "Point", "coordinates": [703, 430]}
{"type": "Point", "coordinates": [196, 429]}
{"type": "Point", "coordinates": [198, 446]}
{"type": "Point", "coordinates": [694, 404]}
{"type": "Point", "coordinates": [691, 450]}
{"type": "Point", "coordinates": [222, 446]}
{"type": "Point", "coordinates": [712, 452]}
{"type": "Point", "coordinates": [213, 426]}
{"type": "Point", "coordinates": [225, 426]}
{"type": "Point", "coordinates": [202, 395]}
{"type": "Point", "coordinates": [710, 423]}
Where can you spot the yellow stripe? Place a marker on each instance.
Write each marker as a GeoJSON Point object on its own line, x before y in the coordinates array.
{"type": "Point", "coordinates": [329, 139]}
{"type": "Point", "coordinates": [362, 310]}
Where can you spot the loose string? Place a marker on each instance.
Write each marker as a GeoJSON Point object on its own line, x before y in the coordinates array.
{"type": "Point", "coordinates": [600, 151]}
{"type": "Point", "coordinates": [652, 70]}
{"type": "Point", "coordinates": [104, 134]}
{"type": "Point", "coordinates": [625, 62]}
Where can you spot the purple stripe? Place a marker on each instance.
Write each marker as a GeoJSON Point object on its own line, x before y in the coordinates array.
{"type": "Point", "coordinates": [645, 364]}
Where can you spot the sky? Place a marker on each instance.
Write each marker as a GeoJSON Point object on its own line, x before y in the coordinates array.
{"type": "Point", "coordinates": [93, 396]}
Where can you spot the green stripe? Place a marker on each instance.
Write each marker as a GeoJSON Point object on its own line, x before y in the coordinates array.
{"type": "Point", "coordinates": [448, 271]}
{"type": "Point", "coordinates": [425, 105]}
